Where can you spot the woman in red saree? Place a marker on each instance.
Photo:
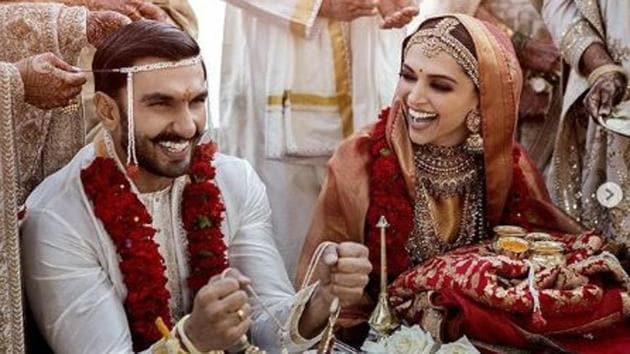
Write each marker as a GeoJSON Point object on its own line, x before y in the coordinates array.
{"type": "Point", "coordinates": [443, 167]}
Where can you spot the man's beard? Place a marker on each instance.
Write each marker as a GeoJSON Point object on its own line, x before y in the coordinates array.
{"type": "Point", "coordinates": [148, 161]}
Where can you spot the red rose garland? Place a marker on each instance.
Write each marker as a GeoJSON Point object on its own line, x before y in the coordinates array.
{"type": "Point", "coordinates": [389, 197]}
{"type": "Point", "coordinates": [128, 223]}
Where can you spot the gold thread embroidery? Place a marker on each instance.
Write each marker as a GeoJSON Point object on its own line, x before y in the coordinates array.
{"type": "Point", "coordinates": [302, 14]}
{"type": "Point", "coordinates": [341, 59]}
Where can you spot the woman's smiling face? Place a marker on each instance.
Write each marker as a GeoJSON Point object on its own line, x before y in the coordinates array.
{"type": "Point", "coordinates": [437, 96]}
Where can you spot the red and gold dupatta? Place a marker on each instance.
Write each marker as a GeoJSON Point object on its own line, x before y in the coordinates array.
{"type": "Point", "coordinates": [515, 192]}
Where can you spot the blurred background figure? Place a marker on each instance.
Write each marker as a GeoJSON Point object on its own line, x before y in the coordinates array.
{"type": "Point", "coordinates": [297, 77]}
{"type": "Point", "coordinates": [594, 42]}
{"type": "Point", "coordinates": [541, 95]}
{"type": "Point", "coordinates": [39, 125]}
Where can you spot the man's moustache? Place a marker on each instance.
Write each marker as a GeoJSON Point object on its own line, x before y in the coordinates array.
{"type": "Point", "coordinates": [175, 138]}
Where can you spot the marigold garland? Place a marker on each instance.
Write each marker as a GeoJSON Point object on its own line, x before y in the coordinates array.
{"type": "Point", "coordinates": [128, 223]}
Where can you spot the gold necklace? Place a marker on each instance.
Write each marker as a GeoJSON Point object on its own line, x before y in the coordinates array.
{"type": "Point", "coordinates": [443, 172]}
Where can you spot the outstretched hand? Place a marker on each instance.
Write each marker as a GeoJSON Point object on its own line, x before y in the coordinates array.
{"type": "Point", "coordinates": [49, 82]}
{"type": "Point", "coordinates": [397, 13]}
{"type": "Point", "coordinates": [100, 24]}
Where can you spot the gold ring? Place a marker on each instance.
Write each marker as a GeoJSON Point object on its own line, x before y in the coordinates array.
{"type": "Point", "coordinates": [241, 315]}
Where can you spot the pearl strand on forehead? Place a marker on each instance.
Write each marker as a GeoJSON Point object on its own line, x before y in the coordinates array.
{"type": "Point", "coordinates": [131, 125]}
{"type": "Point", "coordinates": [151, 67]}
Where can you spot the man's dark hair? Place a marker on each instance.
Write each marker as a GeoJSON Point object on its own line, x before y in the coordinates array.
{"type": "Point", "coordinates": [138, 40]}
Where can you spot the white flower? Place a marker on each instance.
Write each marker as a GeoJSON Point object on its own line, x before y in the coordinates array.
{"type": "Point", "coordinates": [461, 346]}
{"type": "Point", "coordinates": [410, 340]}
{"type": "Point", "coordinates": [375, 347]}
{"type": "Point", "coordinates": [407, 340]}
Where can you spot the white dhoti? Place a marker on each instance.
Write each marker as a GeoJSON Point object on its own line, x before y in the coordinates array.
{"type": "Point", "coordinates": [292, 87]}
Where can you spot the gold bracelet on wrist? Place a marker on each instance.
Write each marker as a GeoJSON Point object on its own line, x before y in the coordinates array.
{"type": "Point", "coordinates": [605, 69]}
{"type": "Point", "coordinates": [181, 333]}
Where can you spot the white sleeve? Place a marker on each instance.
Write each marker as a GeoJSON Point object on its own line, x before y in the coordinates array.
{"type": "Point", "coordinates": [253, 252]}
{"type": "Point", "coordinates": [300, 16]}
{"type": "Point", "coordinates": [73, 300]}
{"type": "Point", "coordinates": [570, 30]}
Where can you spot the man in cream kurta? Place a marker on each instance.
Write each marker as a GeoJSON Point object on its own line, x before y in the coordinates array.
{"type": "Point", "coordinates": [37, 135]}
{"type": "Point", "coordinates": [73, 280]}
{"type": "Point", "coordinates": [293, 84]}
{"type": "Point", "coordinates": [585, 154]}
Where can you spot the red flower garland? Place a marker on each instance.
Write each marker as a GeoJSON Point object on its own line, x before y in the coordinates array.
{"type": "Point", "coordinates": [389, 197]}
{"type": "Point", "coordinates": [128, 223]}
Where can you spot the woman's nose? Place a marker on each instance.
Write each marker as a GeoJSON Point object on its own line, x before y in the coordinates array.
{"type": "Point", "coordinates": [417, 97]}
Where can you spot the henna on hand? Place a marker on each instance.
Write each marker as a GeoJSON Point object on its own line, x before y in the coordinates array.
{"type": "Point", "coordinates": [607, 92]}
{"type": "Point", "coordinates": [49, 82]}
{"type": "Point", "coordinates": [100, 24]}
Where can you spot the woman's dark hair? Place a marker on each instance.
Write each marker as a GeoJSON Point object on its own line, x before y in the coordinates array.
{"type": "Point", "coordinates": [138, 40]}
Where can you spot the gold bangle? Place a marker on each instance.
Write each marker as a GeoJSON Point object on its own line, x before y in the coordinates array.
{"type": "Point", "coordinates": [181, 333]}
{"type": "Point", "coordinates": [605, 69]}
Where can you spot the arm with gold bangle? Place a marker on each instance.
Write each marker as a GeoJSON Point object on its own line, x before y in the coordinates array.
{"type": "Point", "coordinates": [608, 81]}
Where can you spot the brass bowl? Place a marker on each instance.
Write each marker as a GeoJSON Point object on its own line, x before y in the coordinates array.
{"type": "Point", "coordinates": [548, 247]}
{"type": "Point", "coordinates": [538, 236]}
{"type": "Point", "coordinates": [548, 254]}
{"type": "Point", "coordinates": [513, 247]}
{"type": "Point", "coordinates": [509, 230]}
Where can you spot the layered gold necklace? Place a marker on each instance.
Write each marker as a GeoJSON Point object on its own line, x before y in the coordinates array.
{"type": "Point", "coordinates": [449, 201]}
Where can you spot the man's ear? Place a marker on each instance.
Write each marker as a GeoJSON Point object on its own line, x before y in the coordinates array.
{"type": "Point", "coordinates": [107, 110]}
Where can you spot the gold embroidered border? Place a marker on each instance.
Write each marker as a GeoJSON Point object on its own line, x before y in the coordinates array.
{"type": "Point", "coordinates": [11, 323]}
{"type": "Point", "coordinates": [341, 62]}
{"type": "Point", "coordinates": [590, 10]}
{"type": "Point", "coordinates": [297, 310]}
{"type": "Point", "coordinates": [577, 38]}
{"type": "Point", "coordinates": [342, 75]}
{"type": "Point", "coordinates": [305, 99]}
{"type": "Point", "coordinates": [301, 16]}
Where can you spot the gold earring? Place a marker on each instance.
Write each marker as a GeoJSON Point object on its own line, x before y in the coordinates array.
{"type": "Point", "coordinates": [474, 142]}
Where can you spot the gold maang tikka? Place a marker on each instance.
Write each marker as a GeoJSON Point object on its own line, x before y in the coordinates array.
{"type": "Point", "coordinates": [438, 39]}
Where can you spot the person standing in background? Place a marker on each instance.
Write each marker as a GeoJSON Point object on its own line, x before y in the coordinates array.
{"type": "Point", "coordinates": [40, 43]}
{"type": "Point", "coordinates": [297, 77]}
{"type": "Point", "coordinates": [594, 42]}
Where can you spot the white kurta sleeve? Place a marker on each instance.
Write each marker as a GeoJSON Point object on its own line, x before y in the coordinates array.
{"type": "Point", "coordinates": [72, 298]}
{"type": "Point", "coordinates": [253, 252]}
{"type": "Point", "coordinates": [571, 31]}
{"type": "Point", "coordinates": [298, 15]}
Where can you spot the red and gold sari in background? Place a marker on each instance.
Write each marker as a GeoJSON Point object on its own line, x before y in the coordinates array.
{"type": "Point", "coordinates": [464, 283]}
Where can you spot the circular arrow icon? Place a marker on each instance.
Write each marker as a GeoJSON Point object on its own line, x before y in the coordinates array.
{"type": "Point", "coordinates": [609, 194]}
